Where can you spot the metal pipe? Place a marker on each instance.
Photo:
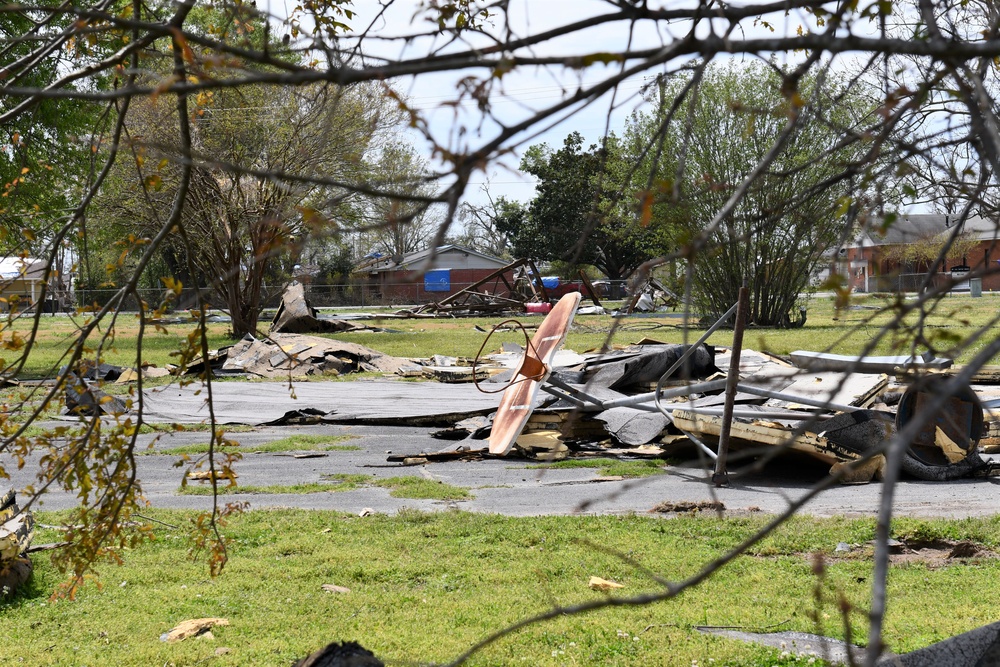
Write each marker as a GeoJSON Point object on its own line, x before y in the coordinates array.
{"type": "Point", "coordinates": [560, 394]}
{"type": "Point", "coordinates": [792, 398]}
{"type": "Point", "coordinates": [688, 352]}
{"type": "Point", "coordinates": [633, 401]}
{"type": "Point", "coordinates": [747, 414]}
{"type": "Point", "coordinates": [568, 388]}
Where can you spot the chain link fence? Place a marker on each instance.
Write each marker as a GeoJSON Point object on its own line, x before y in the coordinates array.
{"type": "Point", "coordinates": [320, 296]}
{"type": "Point", "coordinates": [906, 282]}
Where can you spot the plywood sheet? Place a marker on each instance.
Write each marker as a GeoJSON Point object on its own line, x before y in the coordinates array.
{"type": "Point", "coordinates": [765, 433]}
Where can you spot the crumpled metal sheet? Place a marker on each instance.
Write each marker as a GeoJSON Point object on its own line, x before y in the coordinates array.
{"type": "Point", "coordinates": [296, 315]}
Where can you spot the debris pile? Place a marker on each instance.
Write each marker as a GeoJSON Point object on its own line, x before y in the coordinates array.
{"type": "Point", "coordinates": [296, 315]}
{"type": "Point", "coordinates": [827, 411]}
{"type": "Point", "coordinates": [652, 295]}
{"type": "Point", "coordinates": [650, 399]}
{"type": "Point", "coordinates": [17, 529]}
{"type": "Point", "coordinates": [507, 289]}
{"type": "Point", "coordinates": [282, 355]}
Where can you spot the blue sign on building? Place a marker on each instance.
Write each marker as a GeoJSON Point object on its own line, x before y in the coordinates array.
{"type": "Point", "coordinates": [437, 280]}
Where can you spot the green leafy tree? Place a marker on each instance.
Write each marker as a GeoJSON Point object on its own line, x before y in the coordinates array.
{"type": "Point", "coordinates": [577, 215]}
{"type": "Point", "coordinates": [395, 226]}
{"type": "Point", "coordinates": [45, 156]}
{"type": "Point", "coordinates": [789, 215]}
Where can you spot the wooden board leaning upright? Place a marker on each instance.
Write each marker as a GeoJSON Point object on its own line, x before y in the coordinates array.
{"type": "Point", "coordinates": [515, 404]}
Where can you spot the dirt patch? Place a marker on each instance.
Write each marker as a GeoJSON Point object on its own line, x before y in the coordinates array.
{"type": "Point", "coordinates": [941, 553]}
{"type": "Point", "coordinates": [687, 506]}
{"type": "Point", "coordinates": [929, 553]}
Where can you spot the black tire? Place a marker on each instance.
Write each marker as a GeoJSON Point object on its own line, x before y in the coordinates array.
{"type": "Point", "coordinates": [962, 420]}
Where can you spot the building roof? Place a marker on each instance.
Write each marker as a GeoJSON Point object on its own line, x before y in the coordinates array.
{"type": "Point", "coordinates": [15, 268]}
{"type": "Point", "coordinates": [985, 229]}
{"type": "Point", "coordinates": [916, 227]}
{"type": "Point", "coordinates": [413, 260]}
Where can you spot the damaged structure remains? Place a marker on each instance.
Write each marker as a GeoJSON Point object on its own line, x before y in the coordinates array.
{"type": "Point", "coordinates": [649, 400]}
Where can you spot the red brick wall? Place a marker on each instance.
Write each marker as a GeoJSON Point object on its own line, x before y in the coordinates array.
{"type": "Point", "coordinates": [408, 286]}
{"type": "Point", "coordinates": [982, 260]}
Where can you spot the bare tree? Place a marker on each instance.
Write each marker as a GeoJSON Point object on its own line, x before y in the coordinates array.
{"type": "Point", "coordinates": [482, 222]}
{"type": "Point", "coordinates": [932, 62]}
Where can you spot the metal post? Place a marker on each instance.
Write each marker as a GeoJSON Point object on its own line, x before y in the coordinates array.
{"type": "Point", "coordinates": [721, 477]}
{"type": "Point", "coordinates": [691, 348]}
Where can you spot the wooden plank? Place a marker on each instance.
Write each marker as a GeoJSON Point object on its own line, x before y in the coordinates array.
{"type": "Point", "coordinates": [766, 433]}
{"type": "Point", "coordinates": [452, 374]}
{"type": "Point", "coordinates": [985, 374]}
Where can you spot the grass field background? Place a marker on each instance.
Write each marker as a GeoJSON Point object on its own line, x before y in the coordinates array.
{"type": "Point", "coordinates": [426, 587]}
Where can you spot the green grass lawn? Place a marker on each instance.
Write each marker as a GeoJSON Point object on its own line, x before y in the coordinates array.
{"type": "Point", "coordinates": [845, 331]}
{"type": "Point", "coordinates": [404, 486]}
{"type": "Point", "coordinates": [610, 467]}
{"type": "Point", "coordinates": [944, 324]}
{"type": "Point", "coordinates": [300, 442]}
{"type": "Point", "coordinates": [424, 587]}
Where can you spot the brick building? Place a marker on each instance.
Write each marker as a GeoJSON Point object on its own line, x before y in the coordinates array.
{"type": "Point", "coordinates": [899, 257]}
{"type": "Point", "coordinates": [420, 278]}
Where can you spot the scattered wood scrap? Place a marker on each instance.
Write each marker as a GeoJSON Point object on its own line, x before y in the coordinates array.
{"type": "Point", "coordinates": [599, 584]}
{"type": "Point", "coordinates": [17, 529]}
{"type": "Point", "coordinates": [192, 628]}
{"type": "Point", "coordinates": [667, 507]}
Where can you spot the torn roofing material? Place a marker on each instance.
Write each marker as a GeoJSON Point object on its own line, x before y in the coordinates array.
{"type": "Point", "coordinates": [646, 363]}
{"type": "Point", "coordinates": [380, 401]}
{"type": "Point", "coordinates": [285, 355]}
{"type": "Point", "coordinates": [296, 315]}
